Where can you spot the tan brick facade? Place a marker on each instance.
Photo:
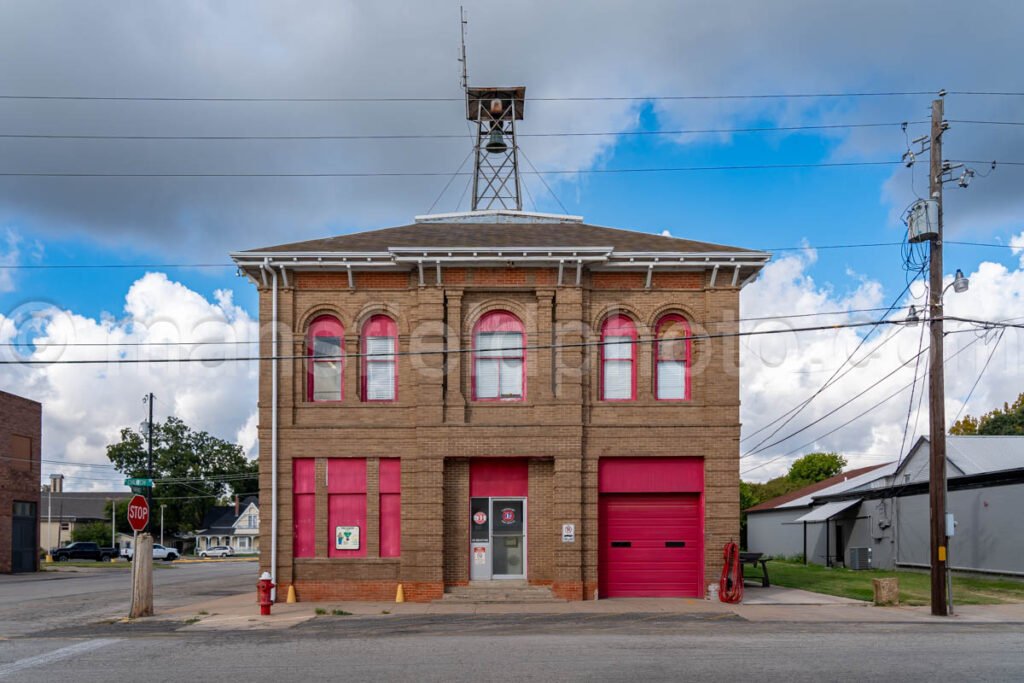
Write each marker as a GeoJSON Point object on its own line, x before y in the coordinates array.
{"type": "Point", "coordinates": [20, 449]}
{"type": "Point", "coordinates": [435, 427]}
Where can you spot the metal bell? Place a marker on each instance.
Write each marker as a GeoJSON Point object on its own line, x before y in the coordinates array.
{"type": "Point", "coordinates": [496, 142]}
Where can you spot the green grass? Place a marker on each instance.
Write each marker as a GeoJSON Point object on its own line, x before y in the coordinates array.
{"type": "Point", "coordinates": [340, 613]}
{"type": "Point", "coordinates": [89, 564]}
{"type": "Point", "coordinates": [915, 587]}
{"type": "Point", "coordinates": [319, 611]}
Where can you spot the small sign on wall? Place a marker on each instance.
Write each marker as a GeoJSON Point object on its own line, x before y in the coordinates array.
{"type": "Point", "coordinates": [346, 538]}
{"type": "Point", "coordinates": [480, 554]}
{"type": "Point", "coordinates": [568, 533]}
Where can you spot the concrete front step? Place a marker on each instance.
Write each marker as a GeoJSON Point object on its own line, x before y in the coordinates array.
{"type": "Point", "coordinates": [499, 591]}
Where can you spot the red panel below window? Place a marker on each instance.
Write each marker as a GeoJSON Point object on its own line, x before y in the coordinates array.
{"type": "Point", "coordinates": [651, 475]}
{"type": "Point", "coordinates": [390, 475]}
{"type": "Point", "coordinates": [498, 477]}
{"type": "Point", "coordinates": [346, 509]}
{"type": "Point", "coordinates": [390, 525]}
{"type": "Point", "coordinates": [304, 539]}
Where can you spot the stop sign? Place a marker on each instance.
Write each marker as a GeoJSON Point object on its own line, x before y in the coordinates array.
{"type": "Point", "coordinates": [138, 513]}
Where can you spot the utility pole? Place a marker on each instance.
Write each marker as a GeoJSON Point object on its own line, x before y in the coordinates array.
{"type": "Point", "coordinates": [936, 384]}
{"type": "Point", "coordinates": [162, 524]}
{"type": "Point", "coordinates": [149, 491]}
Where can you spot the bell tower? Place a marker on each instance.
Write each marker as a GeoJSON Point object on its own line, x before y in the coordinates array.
{"type": "Point", "coordinates": [496, 163]}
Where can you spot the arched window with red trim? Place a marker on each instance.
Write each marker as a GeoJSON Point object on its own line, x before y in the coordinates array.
{"type": "Point", "coordinates": [499, 358]}
{"type": "Point", "coordinates": [325, 348]}
{"type": "Point", "coordinates": [380, 370]}
{"type": "Point", "coordinates": [672, 359]}
{"type": "Point", "coordinates": [618, 359]}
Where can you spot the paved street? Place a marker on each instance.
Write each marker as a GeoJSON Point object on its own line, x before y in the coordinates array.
{"type": "Point", "coordinates": [35, 602]}
{"type": "Point", "coordinates": [508, 647]}
{"type": "Point", "coordinates": [65, 625]}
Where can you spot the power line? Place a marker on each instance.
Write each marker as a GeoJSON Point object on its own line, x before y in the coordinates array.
{"type": "Point", "coordinates": [458, 136]}
{"type": "Point", "coordinates": [795, 411]}
{"type": "Point", "coordinates": [467, 337]}
{"type": "Point", "coordinates": [591, 98]}
{"type": "Point", "coordinates": [431, 174]}
{"type": "Point", "coordinates": [853, 419]}
{"type": "Point", "coordinates": [985, 324]}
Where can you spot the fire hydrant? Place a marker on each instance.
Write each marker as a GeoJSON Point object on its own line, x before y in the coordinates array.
{"type": "Point", "coordinates": [263, 588]}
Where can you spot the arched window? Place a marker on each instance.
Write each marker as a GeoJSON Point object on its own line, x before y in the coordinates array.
{"type": "Point", "coordinates": [499, 358]}
{"type": "Point", "coordinates": [380, 371]}
{"type": "Point", "coordinates": [618, 359]}
{"type": "Point", "coordinates": [326, 359]}
{"type": "Point", "coordinates": [672, 359]}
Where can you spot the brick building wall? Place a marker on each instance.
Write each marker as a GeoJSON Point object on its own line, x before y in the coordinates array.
{"type": "Point", "coordinates": [435, 426]}
{"type": "Point", "coordinates": [20, 444]}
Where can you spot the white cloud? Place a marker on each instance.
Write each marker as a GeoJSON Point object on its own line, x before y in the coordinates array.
{"type": "Point", "coordinates": [780, 372]}
{"type": "Point", "coordinates": [86, 405]}
{"type": "Point", "coordinates": [9, 256]}
{"type": "Point", "coordinates": [1017, 247]}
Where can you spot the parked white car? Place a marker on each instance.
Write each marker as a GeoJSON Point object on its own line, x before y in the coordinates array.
{"type": "Point", "coordinates": [217, 551]}
{"type": "Point", "coordinates": [159, 553]}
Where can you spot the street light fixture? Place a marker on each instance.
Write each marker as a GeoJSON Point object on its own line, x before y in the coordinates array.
{"type": "Point", "coordinates": [960, 283]}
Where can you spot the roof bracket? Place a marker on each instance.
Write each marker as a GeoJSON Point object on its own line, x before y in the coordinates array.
{"type": "Point", "coordinates": [650, 276]}
{"type": "Point", "coordinates": [284, 276]}
{"type": "Point", "coordinates": [735, 276]}
{"type": "Point", "coordinates": [437, 264]}
{"type": "Point", "coordinates": [579, 272]}
{"type": "Point", "coordinates": [714, 276]}
{"type": "Point", "coordinates": [351, 280]}
{"type": "Point", "coordinates": [419, 265]}
{"type": "Point", "coordinates": [561, 269]}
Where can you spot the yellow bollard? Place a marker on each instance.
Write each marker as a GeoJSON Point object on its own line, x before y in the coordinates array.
{"type": "Point", "coordinates": [291, 594]}
{"type": "Point", "coordinates": [49, 558]}
{"type": "Point", "coordinates": [400, 595]}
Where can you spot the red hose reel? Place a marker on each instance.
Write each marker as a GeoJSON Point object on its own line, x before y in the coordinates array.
{"type": "Point", "coordinates": [730, 587]}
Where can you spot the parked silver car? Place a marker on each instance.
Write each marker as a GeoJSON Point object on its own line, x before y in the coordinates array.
{"type": "Point", "coordinates": [217, 551]}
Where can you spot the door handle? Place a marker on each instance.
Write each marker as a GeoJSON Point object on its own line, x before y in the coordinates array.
{"type": "Point", "coordinates": [622, 544]}
{"type": "Point", "coordinates": [675, 544]}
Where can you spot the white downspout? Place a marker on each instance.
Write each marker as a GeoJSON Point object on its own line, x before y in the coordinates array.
{"type": "Point", "coordinates": [273, 429]}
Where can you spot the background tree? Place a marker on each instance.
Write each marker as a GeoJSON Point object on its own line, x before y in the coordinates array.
{"type": "Point", "coordinates": [95, 532]}
{"type": "Point", "coordinates": [815, 467]}
{"type": "Point", "coordinates": [1005, 421]}
{"type": "Point", "coordinates": [809, 469]}
{"type": "Point", "coordinates": [193, 471]}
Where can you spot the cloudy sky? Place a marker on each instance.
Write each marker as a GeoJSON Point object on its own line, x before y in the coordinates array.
{"type": "Point", "coordinates": [594, 49]}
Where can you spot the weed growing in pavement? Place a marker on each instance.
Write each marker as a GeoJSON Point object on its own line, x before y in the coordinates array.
{"type": "Point", "coordinates": [319, 611]}
{"type": "Point", "coordinates": [202, 612]}
{"type": "Point", "coordinates": [385, 611]}
{"type": "Point", "coordinates": [192, 620]}
{"type": "Point", "coordinates": [340, 613]}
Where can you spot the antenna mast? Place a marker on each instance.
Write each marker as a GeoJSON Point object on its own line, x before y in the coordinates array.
{"type": "Point", "coordinates": [464, 82]}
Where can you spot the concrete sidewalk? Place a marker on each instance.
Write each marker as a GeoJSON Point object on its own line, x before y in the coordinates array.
{"type": "Point", "coordinates": [240, 612]}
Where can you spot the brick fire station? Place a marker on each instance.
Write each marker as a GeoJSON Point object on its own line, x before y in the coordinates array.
{"type": "Point", "coordinates": [498, 395]}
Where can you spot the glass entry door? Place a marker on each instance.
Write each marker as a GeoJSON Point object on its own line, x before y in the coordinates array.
{"type": "Point", "coordinates": [508, 538]}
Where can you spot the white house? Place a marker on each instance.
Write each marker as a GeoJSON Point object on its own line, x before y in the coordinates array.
{"type": "Point", "coordinates": [235, 525]}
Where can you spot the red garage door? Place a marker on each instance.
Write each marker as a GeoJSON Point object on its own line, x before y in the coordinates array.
{"type": "Point", "coordinates": [650, 545]}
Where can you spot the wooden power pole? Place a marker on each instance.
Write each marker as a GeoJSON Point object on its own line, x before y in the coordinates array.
{"type": "Point", "coordinates": [936, 385]}
{"type": "Point", "coordinates": [142, 577]}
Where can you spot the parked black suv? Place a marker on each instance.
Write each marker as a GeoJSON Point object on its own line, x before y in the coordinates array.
{"type": "Point", "coordinates": [82, 550]}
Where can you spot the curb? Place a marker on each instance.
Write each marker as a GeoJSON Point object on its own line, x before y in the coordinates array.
{"type": "Point", "coordinates": [209, 560]}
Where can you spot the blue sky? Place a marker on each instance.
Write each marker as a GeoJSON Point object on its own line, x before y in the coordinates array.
{"type": "Point", "coordinates": [602, 48]}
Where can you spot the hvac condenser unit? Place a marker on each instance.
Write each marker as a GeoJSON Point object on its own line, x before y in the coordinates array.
{"type": "Point", "coordinates": [923, 221]}
{"type": "Point", "coordinates": [860, 558]}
